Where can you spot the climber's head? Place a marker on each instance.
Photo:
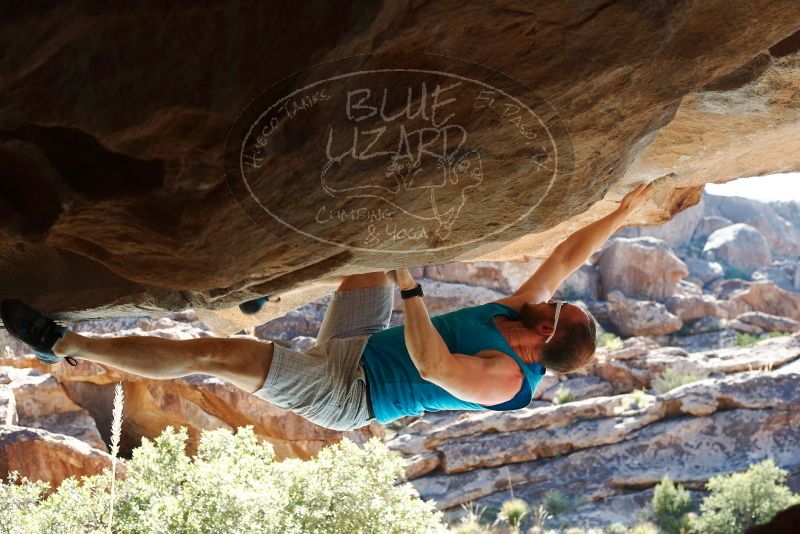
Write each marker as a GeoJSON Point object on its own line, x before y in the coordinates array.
{"type": "Point", "coordinates": [566, 331]}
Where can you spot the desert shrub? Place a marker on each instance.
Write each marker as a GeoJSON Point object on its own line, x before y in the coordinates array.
{"type": "Point", "coordinates": [617, 528]}
{"type": "Point", "coordinates": [513, 513]}
{"type": "Point", "coordinates": [563, 396]}
{"type": "Point", "coordinates": [644, 528]}
{"type": "Point", "coordinates": [472, 522]}
{"type": "Point", "coordinates": [671, 503]}
{"type": "Point", "coordinates": [557, 502]}
{"type": "Point", "coordinates": [744, 340]}
{"type": "Point", "coordinates": [741, 500]}
{"type": "Point", "coordinates": [609, 341]}
{"type": "Point", "coordinates": [776, 333]}
{"type": "Point", "coordinates": [637, 400]}
{"type": "Point", "coordinates": [539, 517]}
{"type": "Point", "coordinates": [231, 485]}
{"type": "Point", "coordinates": [672, 378]}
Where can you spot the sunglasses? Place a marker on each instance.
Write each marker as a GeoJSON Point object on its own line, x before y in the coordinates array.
{"type": "Point", "coordinates": [558, 304]}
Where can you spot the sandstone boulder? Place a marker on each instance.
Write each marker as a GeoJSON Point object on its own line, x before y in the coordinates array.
{"type": "Point", "coordinates": [442, 297]}
{"type": "Point", "coordinates": [632, 450]}
{"type": "Point", "coordinates": [725, 289]}
{"type": "Point", "coordinates": [703, 270]}
{"type": "Point", "coordinates": [42, 402]}
{"type": "Point", "coordinates": [780, 234]}
{"type": "Point", "coordinates": [579, 388]}
{"type": "Point", "coordinates": [770, 323]}
{"type": "Point", "coordinates": [640, 317]}
{"type": "Point", "coordinates": [707, 226]}
{"type": "Point", "coordinates": [41, 455]}
{"type": "Point", "coordinates": [8, 408]}
{"type": "Point", "coordinates": [468, 424]}
{"type": "Point", "coordinates": [714, 338]}
{"type": "Point", "coordinates": [688, 288]}
{"type": "Point", "coordinates": [677, 232]}
{"type": "Point", "coordinates": [785, 275]}
{"type": "Point", "coordinates": [745, 328]}
{"type": "Point", "coordinates": [641, 268]}
{"type": "Point", "coordinates": [768, 298]}
{"type": "Point", "coordinates": [504, 277]}
{"type": "Point", "coordinates": [304, 321]}
{"type": "Point", "coordinates": [421, 464]}
{"type": "Point", "coordinates": [548, 381]}
{"type": "Point", "coordinates": [765, 354]}
{"type": "Point", "coordinates": [707, 324]}
{"type": "Point", "coordinates": [692, 308]}
{"type": "Point", "coordinates": [583, 284]}
{"type": "Point", "coordinates": [739, 246]}
{"type": "Point", "coordinates": [483, 451]}
{"type": "Point", "coordinates": [623, 377]}
{"type": "Point", "coordinates": [134, 242]}
{"type": "Point", "coordinates": [630, 349]}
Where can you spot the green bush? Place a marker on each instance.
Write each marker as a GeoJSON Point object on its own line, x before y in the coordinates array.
{"type": "Point", "coordinates": [776, 333]}
{"type": "Point", "coordinates": [472, 522]}
{"type": "Point", "coordinates": [557, 502]}
{"type": "Point", "coordinates": [672, 378]}
{"type": "Point", "coordinates": [617, 528]}
{"type": "Point", "coordinates": [671, 503]}
{"type": "Point", "coordinates": [609, 341]}
{"type": "Point", "coordinates": [741, 500]}
{"type": "Point", "coordinates": [513, 512]}
{"type": "Point", "coordinates": [644, 528]}
{"type": "Point", "coordinates": [563, 396]}
{"type": "Point", "coordinates": [232, 485]}
{"type": "Point", "coordinates": [744, 340]}
{"type": "Point", "coordinates": [637, 400]}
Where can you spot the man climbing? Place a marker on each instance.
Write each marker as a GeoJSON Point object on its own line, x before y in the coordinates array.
{"type": "Point", "coordinates": [487, 357]}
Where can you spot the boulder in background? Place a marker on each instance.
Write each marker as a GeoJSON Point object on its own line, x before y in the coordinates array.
{"type": "Point", "coordinates": [640, 317]}
{"type": "Point", "coordinates": [707, 226]}
{"type": "Point", "coordinates": [641, 268]}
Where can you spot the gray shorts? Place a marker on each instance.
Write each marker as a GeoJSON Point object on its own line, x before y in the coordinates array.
{"type": "Point", "coordinates": [327, 384]}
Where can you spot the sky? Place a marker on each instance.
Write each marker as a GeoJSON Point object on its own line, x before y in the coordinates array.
{"type": "Point", "coordinates": [763, 188]}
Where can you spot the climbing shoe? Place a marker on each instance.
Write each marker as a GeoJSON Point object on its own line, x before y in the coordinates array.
{"type": "Point", "coordinates": [253, 306]}
{"type": "Point", "coordinates": [34, 329]}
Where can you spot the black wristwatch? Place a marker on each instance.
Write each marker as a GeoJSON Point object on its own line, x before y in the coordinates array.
{"type": "Point", "coordinates": [408, 293]}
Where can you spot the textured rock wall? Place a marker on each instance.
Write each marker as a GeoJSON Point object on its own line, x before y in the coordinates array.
{"type": "Point", "coordinates": [607, 452]}
{"type": "Point", "coordinates": [114, 118]}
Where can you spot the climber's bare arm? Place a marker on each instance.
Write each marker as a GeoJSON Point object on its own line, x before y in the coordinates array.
{"type": "Point", "coordinates": [486, 378]}
{"type": "Point", "coordinates": [576, 249]}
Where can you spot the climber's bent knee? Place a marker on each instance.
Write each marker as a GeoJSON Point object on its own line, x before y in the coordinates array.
{"type": "Point", "coordinates": [243, 362]}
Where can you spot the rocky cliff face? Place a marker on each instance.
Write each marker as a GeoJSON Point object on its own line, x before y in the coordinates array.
{"type": "Point", "coordinates": [114, 120]}
{"type": "Point", "coordinates": [700, 396]}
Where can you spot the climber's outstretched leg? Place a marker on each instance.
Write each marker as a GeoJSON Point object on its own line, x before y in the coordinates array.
{"type": "Point", "coordinates": [243, 362]}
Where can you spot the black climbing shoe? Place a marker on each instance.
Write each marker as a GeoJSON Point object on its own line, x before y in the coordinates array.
{"type": "Point", "coordinates": [253, 306]}
{"type": "Point", "coordinates": [33, 329]}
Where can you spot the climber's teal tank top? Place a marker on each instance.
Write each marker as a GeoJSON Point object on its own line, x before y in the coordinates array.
{"type": "Point", "coordinates": [395, 386]}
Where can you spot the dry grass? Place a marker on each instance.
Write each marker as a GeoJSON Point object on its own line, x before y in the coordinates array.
{"type": "Point", "coordinates": [116, 432]}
